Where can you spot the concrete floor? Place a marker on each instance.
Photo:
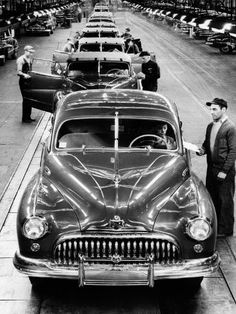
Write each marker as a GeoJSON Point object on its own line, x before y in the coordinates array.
{"type": "Point", "coordinates": [191, 74]}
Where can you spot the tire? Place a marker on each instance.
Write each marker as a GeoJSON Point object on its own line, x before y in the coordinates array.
{"type": "Point", "coordinates": [190, 284]}
{"type": "Point", "coordinates": [226, 49]}
{"type": "Point", "coordinates": [37, 282]}
{"type": "Point", "coordinates": [42, 283]}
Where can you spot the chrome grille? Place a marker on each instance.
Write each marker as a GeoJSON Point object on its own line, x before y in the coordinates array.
{"type": "Point", "coordinates": [103, 249]}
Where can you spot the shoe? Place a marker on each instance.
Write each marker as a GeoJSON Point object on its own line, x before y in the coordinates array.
{"type": "Point", "coordinates": [29, 120]}
{"type": "Point", "coordinates": [229, 234]}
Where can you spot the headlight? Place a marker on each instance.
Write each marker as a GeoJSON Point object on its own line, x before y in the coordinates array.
{"type": "Point", "coordinates": [199, 229]}
{"type": "Point", "coordinates": [35, 228]}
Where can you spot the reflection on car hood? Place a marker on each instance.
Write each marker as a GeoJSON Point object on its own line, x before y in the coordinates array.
{"type": "Point", "coordinates": [134, 188]}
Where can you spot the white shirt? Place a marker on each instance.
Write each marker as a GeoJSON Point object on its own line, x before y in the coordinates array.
{"type": "Point", "coordinates": [215, 128]}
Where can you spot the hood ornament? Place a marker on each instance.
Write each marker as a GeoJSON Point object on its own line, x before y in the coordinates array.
{"type": "Point", "coordinates": [116, 222]}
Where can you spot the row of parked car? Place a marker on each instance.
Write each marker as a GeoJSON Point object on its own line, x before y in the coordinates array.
{"type": "Point", "coordinates": [103, 59]}
{"type": "Point", "coordinates": [218, 30]}
{"type": "Point", "coordinates": [112, 203]}
{"type": "Point", "coordinates": [8, 49]}
{"type": "Point", "coordinates": [41, 22]}
{"type": "Point", "coordinates": [46, 21]}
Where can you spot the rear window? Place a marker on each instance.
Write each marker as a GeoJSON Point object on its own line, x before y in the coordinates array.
{"type": "Point", "coordinates": [112, 47]}
{"type": "Point", "coordinates": [89, 47]}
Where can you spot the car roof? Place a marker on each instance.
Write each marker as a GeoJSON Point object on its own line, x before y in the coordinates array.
{"type": "Point", "coordinates": [98, 55]}
{"type": "Point", "coordinates": [127, 101]}
{"type": "Point", "coordinates": [101, 24]}
{"type": "Point", "coordinates": [101, 19]}
{"type": "Point", "coordinates": [103, 40]}
{"type": "Point", "coordinates": [100, 29]}
{"type": "Point", "coordinates": [62, 57]}
{"type": "Point", "coordinates": [103, 14]}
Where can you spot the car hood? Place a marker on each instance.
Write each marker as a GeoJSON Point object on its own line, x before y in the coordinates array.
{"type": "Point", "coordinates": [100, 186]}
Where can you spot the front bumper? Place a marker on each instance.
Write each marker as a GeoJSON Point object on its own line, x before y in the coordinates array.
{"type": "Point", "coordinates": [117, 274]}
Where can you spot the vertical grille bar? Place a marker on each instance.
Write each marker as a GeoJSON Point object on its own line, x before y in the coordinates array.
{"type": "Point", "coordinates": [109, 248]}
{"type": "Point", "coordinates": [69, 252]}
{"type": "Point", "coordinates": [92, 248]}
{"type": "Point", "coordinates": [128, 249]}
{"type": "Point", "coordinates": [134, 248]}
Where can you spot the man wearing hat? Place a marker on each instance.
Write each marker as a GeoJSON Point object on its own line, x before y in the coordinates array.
{"type": "Point", "coordinates": [24, 65]}
{"type": "Point", "coordinates": [69, 46]}
{"type": "Point", "coordinates": [220, 148]}
{"type": "Point", "coordinates": [150, 72]}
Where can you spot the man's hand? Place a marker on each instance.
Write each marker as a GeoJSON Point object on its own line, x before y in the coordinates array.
{"type": "Point", "coordinates": [27, 76]}
{"type": "Point", "coordinates": [141, 75]}
{"type": "Point", "coordinates": [221, 176]}
{"type": "Point", "coordinates": [201, 151]}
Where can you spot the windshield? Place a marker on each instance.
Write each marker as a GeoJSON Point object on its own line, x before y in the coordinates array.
{"type": "Point", "coordinates": [82, 69]}
{"type": "Point", "coordinates": [115, 132]}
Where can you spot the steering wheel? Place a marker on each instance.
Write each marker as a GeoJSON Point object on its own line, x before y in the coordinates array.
{"type": "Point", "coordinates": [115, 71]}
{"type": "Point", "coordinates": [148, 141]}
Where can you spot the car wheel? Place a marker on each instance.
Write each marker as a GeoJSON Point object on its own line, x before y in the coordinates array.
{"type": "Point", "coordinates": [191, 284]}
{"type": "Point", "coordinates": [38, 282]}
{"type": "Point", "coordinates": [226, 49]}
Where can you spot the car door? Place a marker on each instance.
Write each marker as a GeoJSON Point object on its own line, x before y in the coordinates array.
{"type": "Point", "coordinates": [40, 90]}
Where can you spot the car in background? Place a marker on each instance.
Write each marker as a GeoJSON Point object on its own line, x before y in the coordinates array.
{"type": "Point", "coordinates": [39, 27]}
{"type": "Point", "coordinates": [101, 8]}
{"type": "Point", "coordinates": [217, 40]}
{"type": "Point", "coordinates": [101, 44]}
{"type": "Point", "coordinates": [227, 47]}
{"type": "Point", "coordinates": [8, 48]}
{"type": "Point", "coordinates": [113, 203]}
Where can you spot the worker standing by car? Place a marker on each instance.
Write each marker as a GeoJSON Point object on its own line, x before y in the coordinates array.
{"type": "Point", "coordinates": [76, 41]}
{"type": "Point", "coordinates": [150, 72]}
{"type": "Point", "coordinates": [127, 34]}
{"type": "Point", "coordinates": [220, 148]}
{"type": "Point", "coordinates": [69, 46]}
{"type": "Point", "coordinates": [24, 65]}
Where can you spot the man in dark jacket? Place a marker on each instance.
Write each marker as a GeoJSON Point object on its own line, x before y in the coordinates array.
{"type": "Point", "coordinates": [150, 72]}
{"type": "Point", "coordinates": [220, 148]}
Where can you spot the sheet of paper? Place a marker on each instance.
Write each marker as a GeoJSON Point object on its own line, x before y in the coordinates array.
{"type": "Point", "coordinates": [191, 146]}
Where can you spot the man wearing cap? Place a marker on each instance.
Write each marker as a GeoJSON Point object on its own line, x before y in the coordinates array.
{"type": "Point", "coordinates": [126, 34]}
{"type": "Point", "coordinates": [220, 148]}
{"type": "Point", "coordinates": [150, 72]}
{"type": "Point", "coordinates": [24, 65]}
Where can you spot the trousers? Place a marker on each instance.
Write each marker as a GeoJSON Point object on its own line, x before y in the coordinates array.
{"type": "Point", "coordinates": [26, 108]}
{"type": "Point", "coordinates": [222, 194]}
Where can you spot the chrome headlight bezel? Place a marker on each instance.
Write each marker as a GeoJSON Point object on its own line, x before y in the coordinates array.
{"type": "Point", "coordinates": [31, 225]}
{"type": "Point", "coordinates": [198, 228]}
